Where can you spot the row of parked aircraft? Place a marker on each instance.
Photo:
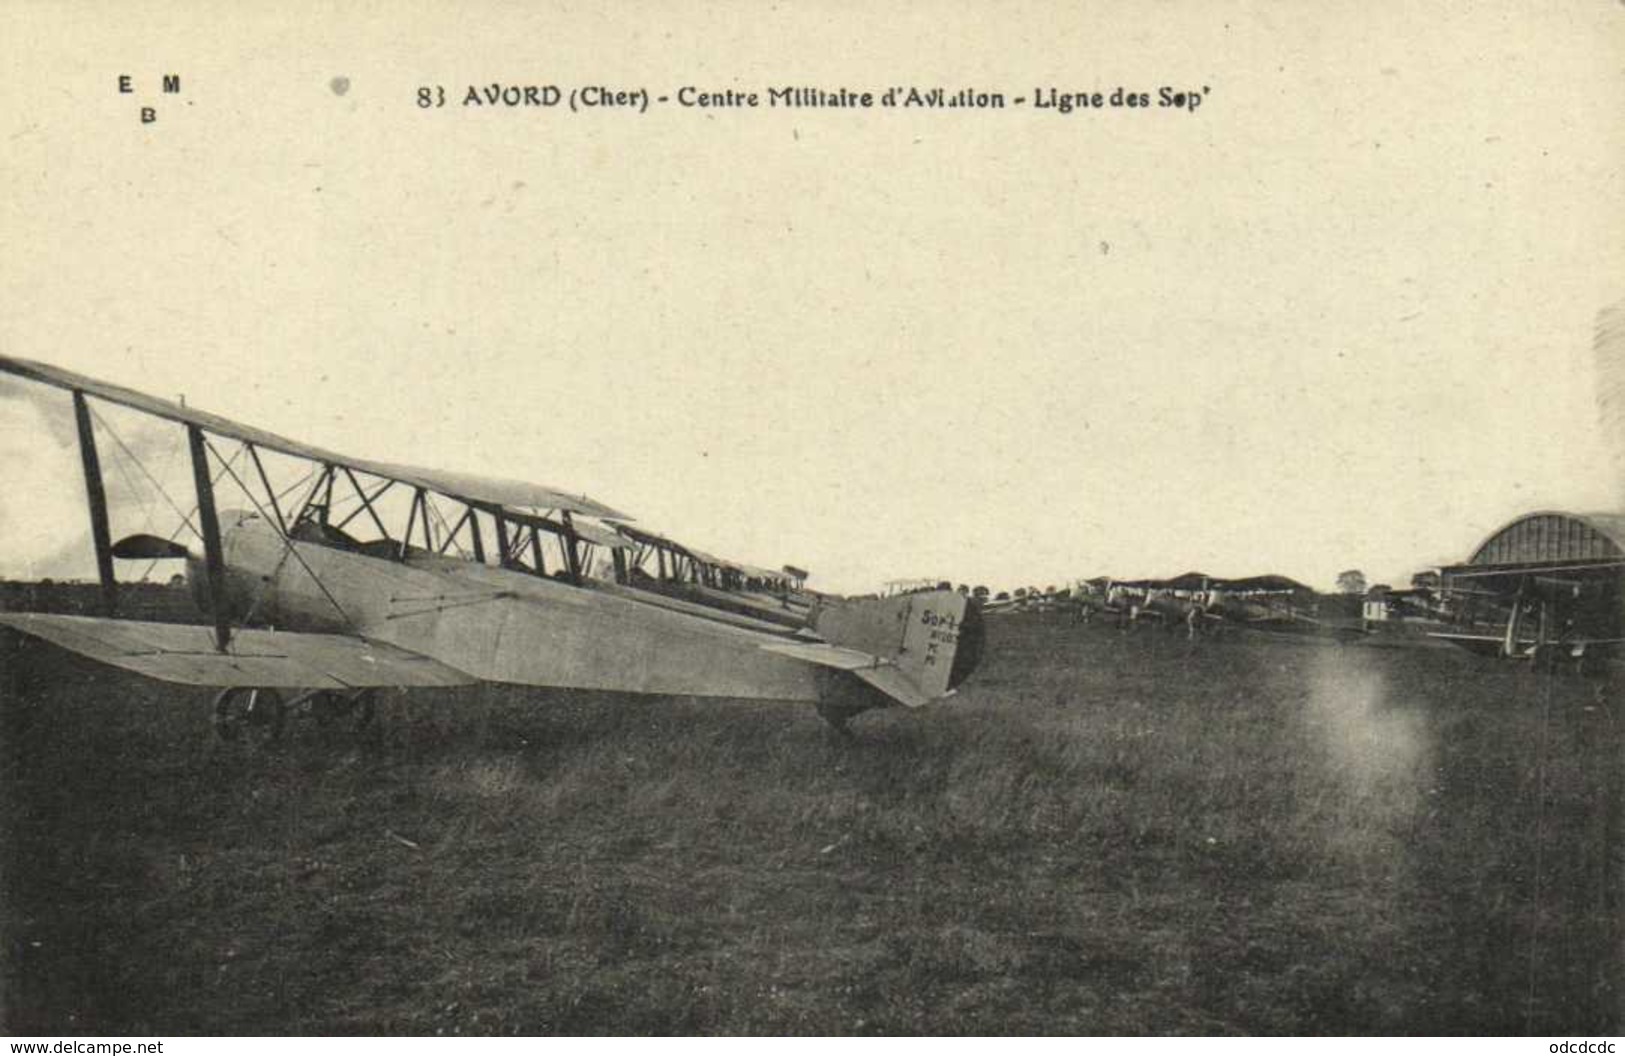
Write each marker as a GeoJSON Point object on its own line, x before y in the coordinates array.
{"type": "Point", "coordinates": [1196, 598]}
{"type": "Point", "coordinates": [1193, 599]}
{"type": "Point", "coordinates": [1546, 616]}
{"type": "Point", "coordinates": [364, 574]}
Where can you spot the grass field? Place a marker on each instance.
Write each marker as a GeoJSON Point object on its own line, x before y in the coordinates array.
{"type": "Point", "coordinates": [1102, 833]}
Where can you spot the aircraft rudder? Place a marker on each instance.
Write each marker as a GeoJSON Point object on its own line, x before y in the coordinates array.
{"type": "Point", "coordinates": [934, 638]}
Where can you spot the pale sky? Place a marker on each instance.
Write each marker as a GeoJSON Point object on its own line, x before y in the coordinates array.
{"type": "Point", "coordinates": [1339, 317]}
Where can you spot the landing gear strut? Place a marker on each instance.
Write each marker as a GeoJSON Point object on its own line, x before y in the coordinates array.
{"type": "Point", "coordinates": [258, 715]}
{"type": "Point", "coordinates": [252, 714]}
{"type": "Point", "coordinates": [351, 710]}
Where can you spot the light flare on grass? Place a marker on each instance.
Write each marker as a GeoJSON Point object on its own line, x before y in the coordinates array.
{"type": "Point", "coordinates": [1373, 747]}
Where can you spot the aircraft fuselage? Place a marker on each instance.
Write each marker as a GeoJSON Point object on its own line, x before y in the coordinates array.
{"type": "Point", "coordinates": [496, 624]}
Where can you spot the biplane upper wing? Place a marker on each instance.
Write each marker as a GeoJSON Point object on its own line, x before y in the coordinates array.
{"type": "Point", "coordinates": [646, 538]}
{"type": "Point", "coordinates": [592, 533]}
{"type": "Point", "coordinates": [464, 486]}
{"type": "Point", "coordinates": [1267, 584]}
{"type": "Point", "coordinates": [586, 531]}
{"type": "Point", "coordinates": [172, 652]}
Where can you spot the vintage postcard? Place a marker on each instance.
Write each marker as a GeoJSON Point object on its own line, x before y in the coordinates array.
{"type": "Point", "coordinates": [702, 518]}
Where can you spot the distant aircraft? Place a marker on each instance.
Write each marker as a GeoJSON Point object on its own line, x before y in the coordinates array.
{"type": "Point", "coordinates": [468, 579]}
{"type": "Point", "coordinates": [1181, 599]}
{"type": "Point", "coordinates": [1264, 601]}
{"type": "Point", "coordinates": [1551, 615]}
{"type": "Point", "coordinates": [894, 588]}
{"type": "Point", "coordinates": [679, 576]}
{"type": "Point", "coordinates": [1033, 599]}
{"type": "Point", "coordinates": [1196, 599]}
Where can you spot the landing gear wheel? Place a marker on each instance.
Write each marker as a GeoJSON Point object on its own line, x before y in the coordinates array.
{"type": "Point", "coordinates": [838, 718]}
{"type": "Point", "coordinates": [841, 698]}
{"type": "Point", "coordinates": [245, 713]}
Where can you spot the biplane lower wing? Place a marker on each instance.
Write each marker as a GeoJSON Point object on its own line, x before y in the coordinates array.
{"type": "Point", "coordinates": [185, 654]}
{"type": "Point", "coordinates": [887, 678]}
{"type": "Point", "coordinates": [1482, 644]}
{"type": "Point", "coordinates": [1497, 645]}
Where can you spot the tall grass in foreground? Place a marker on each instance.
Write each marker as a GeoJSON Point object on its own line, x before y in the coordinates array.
{"type": "Point", "coordinates": [1102, 833]}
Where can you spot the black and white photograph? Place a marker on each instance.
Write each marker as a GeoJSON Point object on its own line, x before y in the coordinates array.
{"type": "Point", "coordinates": [1000, 518]}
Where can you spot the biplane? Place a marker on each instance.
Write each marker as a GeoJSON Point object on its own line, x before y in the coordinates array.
{"type": "Point", "coordinates": [1550, 616]}
{"type": "Point", "coordinates": [362, 575]}
{"type": "Point", "coordinates": [1167, 601]}
{"type": "Point", "coordinates": [1195, 599]}
{"type": "Point", "coordinates": [1028, 599]}
{"type": "Point", "coordinates": [654, 563]}
{"type": "Point", "coordinates": [1262, 601]}
{"type": "Point", "coordinates": [1178, 600]}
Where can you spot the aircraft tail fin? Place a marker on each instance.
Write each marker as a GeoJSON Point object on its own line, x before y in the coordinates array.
{"type": "Point", "coordinates": [930, 641]}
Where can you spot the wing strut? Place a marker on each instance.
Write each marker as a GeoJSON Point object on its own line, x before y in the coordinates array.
{"type": "Point", "coordinates": [504, 556]}
{"type": "Point", "coordinates": [214, 559]}
{"type": "Point", "coordinates": [573, 557]}
{"type": "Point", "coordinates": [96, 497]}
{"type": "Point", "coordinates": [536, 550]}
{"type": "Point", "coordinates": [474, 530]}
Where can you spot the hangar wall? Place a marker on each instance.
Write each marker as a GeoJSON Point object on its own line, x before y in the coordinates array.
{"type": "Point", "coordinates": [1550, 536]}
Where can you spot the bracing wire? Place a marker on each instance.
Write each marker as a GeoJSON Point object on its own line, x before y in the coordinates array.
{"type": "Point", "coordinates": [286, 542]}
{"type": "Point", "coordinates": [217, 478]}
{"type": "Point", "coordinates": [185, 518]}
